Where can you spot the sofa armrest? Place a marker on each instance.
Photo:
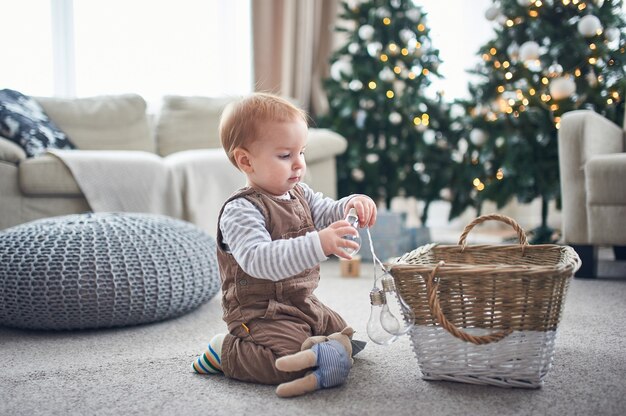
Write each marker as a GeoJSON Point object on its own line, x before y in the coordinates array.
{"type": "Point", "coordinates": [582, 135]}
{"type": "Point", "coordinates": [10, 152]}
{"type": "Point", "coordinates": [324, 144]}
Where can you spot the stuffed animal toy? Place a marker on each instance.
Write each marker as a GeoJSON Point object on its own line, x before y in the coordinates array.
{"type": "Point", "coordinates": [330, 358]}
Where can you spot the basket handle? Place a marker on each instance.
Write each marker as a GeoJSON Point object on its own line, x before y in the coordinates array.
{"type": "Point", "coordinates": [435, 308]}
{"type": "Point", "coordinates": [502, 218]}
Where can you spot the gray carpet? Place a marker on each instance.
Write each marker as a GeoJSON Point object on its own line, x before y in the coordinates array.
{"type": "Point", "coordinates": [145, 370]}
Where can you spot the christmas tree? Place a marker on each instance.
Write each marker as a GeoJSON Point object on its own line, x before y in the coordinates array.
{"type": "Point", "coordinates": [396, 141]}
{"type": "Point", "coordinates": [547, 57]}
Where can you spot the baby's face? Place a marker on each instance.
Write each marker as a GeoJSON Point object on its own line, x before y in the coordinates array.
{"type": "Point", "coordinates": [277, 156]}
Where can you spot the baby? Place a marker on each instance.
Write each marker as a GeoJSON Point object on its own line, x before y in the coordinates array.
{"type": "Point", "coordinates": [272, 236]}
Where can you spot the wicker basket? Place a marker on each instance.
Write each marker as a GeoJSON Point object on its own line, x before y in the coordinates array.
{"type": "Point", "coordinates": [485, 314]}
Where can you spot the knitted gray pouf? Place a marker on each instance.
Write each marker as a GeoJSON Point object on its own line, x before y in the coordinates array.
{"type": "Point", "coordinates": [103, 270]}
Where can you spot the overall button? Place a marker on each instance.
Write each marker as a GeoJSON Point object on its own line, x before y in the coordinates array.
{"type": "Point", "coordinates": [242, 282]}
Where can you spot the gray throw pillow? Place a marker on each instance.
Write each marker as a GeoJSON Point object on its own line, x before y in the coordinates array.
{"type": "Point", "coordinates": [24, 122]}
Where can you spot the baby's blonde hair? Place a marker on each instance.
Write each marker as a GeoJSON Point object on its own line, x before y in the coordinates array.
{"type": "Point", "coordinates": [240, 119]}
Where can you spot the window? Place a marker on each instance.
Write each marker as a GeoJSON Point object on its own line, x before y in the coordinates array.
{"type": "Point", "coordinates": [26, 34]}
{"type": "Point", "coordinates": [458, 29]}
{"type": "Point", "coordinates": [186, 47]}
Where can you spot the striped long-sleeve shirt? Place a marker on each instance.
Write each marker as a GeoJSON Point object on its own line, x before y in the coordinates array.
{"type": "Point", "coordinates": [243, 231]}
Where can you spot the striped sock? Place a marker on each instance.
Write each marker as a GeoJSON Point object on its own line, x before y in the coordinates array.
{"type": "Point", "coordinates": [211, 361]}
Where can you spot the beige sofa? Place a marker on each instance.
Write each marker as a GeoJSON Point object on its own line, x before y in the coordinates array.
{"type": "Point", "coordinates": [32, 188]}
{"type": "Point", "coordinates": [592, 162]}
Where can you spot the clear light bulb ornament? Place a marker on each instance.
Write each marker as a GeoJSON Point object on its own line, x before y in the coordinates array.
{"type": "Point", "coordinates": [375, 330]}
{"type": "Point", "coordinates": [398, 317]}
{"type": "Point", "coordinates": [353, 219]}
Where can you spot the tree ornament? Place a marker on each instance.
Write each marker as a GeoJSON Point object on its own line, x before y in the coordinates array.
{"type": "Point", "coordinates": [598, 3]}
{"type": "Point", "coordinates": [399, 86]}
{"type": "Point", "coordinates": [366, 32]}
{"type": "Point", "coordinates": [492, 13]}
{"type": "Point", "coordinates": [339, 68]}
{"type": "Point", "coordinates": [445, 194]}
{"type": "Point", "coordinates": [355, 85]}
{"type": "Point", "coordinates": [478, 137]}
{"type": "Point", "coordinates": [414, 15]}
{"type": "Point", "coordinates": [382, 12]}
{"type": "Point", "coordinates": [395, 118]}
{"type": "Point", "coordinates": [555, 70]}
{"type": "Point", "coordinates": [589, 26]}
{"type": "Point", "coordinates": [406, 35]}
{"type": "Point", "coordinates": [357, 174]}
{"type": "Point", "coordinates": [374, 49]}
{"type": "Point", "coordinates": [562, 87]}
{"type": "Point", "coordinates": [366, 103]}
{"type": "Point", "coordinates": [592, 79]}
{"type": "Point", "coordinates": [529, 51]}
{"type": "Point", "coordinates": [513, 51]}
{"type": "Point", "coordinates": [429, 137]}
{"type": "Point", "coordinates": [359, 119]}
{"type": "Point", "coordinates": [525, 3]}
{"type": "Point", "coordinates": [386, 75]}
{"type": "Point", "coordinates": [612, 34]}
{"type": "Point", "coordinates": [354, 48]}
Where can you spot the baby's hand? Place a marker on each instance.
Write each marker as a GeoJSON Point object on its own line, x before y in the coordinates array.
{"type": "Point", "coordinates": [333, 242]}
{"type": "Point", "coordinates": [365, 209]}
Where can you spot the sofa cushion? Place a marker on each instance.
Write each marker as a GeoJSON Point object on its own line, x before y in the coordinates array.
{"type": "Point", "coordinates": [114, 122]}
{"type": "Point", "coordinates": [189, 123]}
{"type": "Point", "coordinates": [47, 175]}
{"type": "Point", "coordinates": [24, 122]}
{"type": "Point", "coordinates": [11, 152]}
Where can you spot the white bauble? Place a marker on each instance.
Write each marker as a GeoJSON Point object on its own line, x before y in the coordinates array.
{"type": "Point", "coordinates": [525, 3]}
{"type": "Point", "coordinates": [413, 14]}
{"type": "Point", "coordinates": [358, 175]}
{"type": "Point", "coordinates": [399, 86]}
{"type": "Point", "coordinates": [592, 79]}
{"type": "Point", "coordinates": [462, 145]}
{"type": "Point", "coordinates": [612, 34]}
{"type": "Point", "coordinates": [598, 3]}
{"type": "Point", "coordinates": [374, 48]}
{"type": "Point", "coordinates": [457, 110]}
{"type": "Point", "coordinates": [372, 158]}
{"type": "Point", "coordinates": [354, 48]}
{"type": "Point", "coordinates": [406, 35]}
{"type": "Point", "coordinates": [355, 85]}
{"type": "Point", "coordinates": [366, 32]}
{"type": "Point", "coordinates": [555, 70]}
{"type": "Point", "coordinates": [395, 118]}
{"type": "Point", "coordinates": [359, 118]}
{"type": "Point", "coordinates": [589, 26]}
{"type": "Point", "coordinates": [366, 103]}
{"type": "Point", "coordinates": [513, 51]}
{"type": "Point", "coordinates": [478, 137]}
{"type": "Point", "coordinates": [445, 194]}
{"type": "Point", "coordinates": [562, 87]}
{"type": "Point", "coordinates": [386, 74]}
{"type": "Point", "coordinates": [529, 51]}
{"type": "Point", "coordinates": [429, 137]}
{"type": "Point", "coordinates": [500, 141]}
{"type": "Point", "coordinates": [340, 67]}
{"type": "Point", "coordinates": [382, 12]}
{"type": "Point", "coordinates": [492, 13]}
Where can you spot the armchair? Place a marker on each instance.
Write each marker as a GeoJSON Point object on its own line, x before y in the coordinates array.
{"type": "Point", "coordinates": [592, 164]}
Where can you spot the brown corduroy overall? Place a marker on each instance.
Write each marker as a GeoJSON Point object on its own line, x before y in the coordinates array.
{"type": "Point", "coordinates": [266, 319]}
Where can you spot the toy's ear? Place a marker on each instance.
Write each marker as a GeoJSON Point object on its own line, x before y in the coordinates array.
{"type": "Point", "coordinates": [309, 342]}
{"type": "Point", "coordinates": [348, 331]}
